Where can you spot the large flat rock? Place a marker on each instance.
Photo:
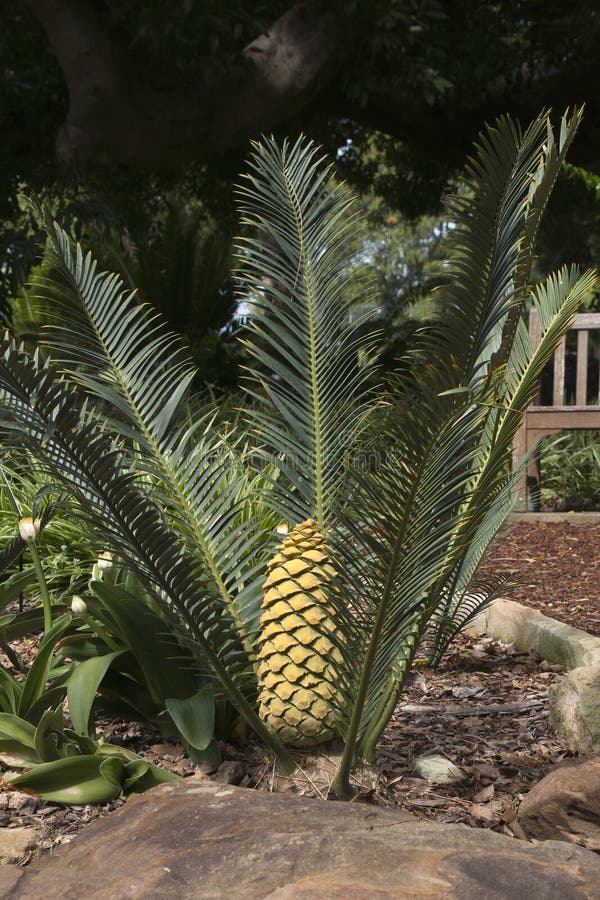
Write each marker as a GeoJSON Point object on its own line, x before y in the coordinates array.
{"type": "Point", "coordinates": [198, 839]}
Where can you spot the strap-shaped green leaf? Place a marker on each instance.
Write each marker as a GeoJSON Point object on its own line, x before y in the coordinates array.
{"type": "Point", "coordinates": [156, 650]}
{"type": "Point", "coordinates": [35, 683]}
{"type": "Point", "coordinates": [195, 717]}
{"type": "Point", "coordinates": [74, 779]}
{"type": "Point", "coordinates": [82, 686]}
{"type": "Point", "coordinates": [14, 728]}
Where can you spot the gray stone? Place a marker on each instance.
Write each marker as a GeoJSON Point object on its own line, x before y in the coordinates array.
{"type": "Point", "coordinates": [437, 769]}
{"type": "Point", "coordinates": [529, 629]}
{"type": "Point", "coordinates": [15, 843]}
{"type": "Point", "coordinates": [198, 839]}
{"type": "Point", "coordinates": [574, 706]}
{"type": "Point", "coordinates": [565, 805]}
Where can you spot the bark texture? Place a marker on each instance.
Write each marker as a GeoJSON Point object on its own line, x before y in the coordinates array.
{"type": "Point", "coordinates": [133, 111]}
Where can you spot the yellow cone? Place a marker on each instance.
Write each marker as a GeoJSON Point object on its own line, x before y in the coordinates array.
{"type": "Point", "coordinates": [297, 659]}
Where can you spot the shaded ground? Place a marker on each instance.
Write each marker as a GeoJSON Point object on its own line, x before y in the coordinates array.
{"type": "Point", "coordinates": [485, 709]}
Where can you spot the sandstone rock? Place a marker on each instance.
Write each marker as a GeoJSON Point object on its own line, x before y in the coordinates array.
{"type": "Point", "coordinates": [529, 629]}
{"type": "Point", "coordinates": [565, 805]}
{"type": "Point", "coordinates": [198, 839]}
{"type": "Point", "coordinates": [15, 842]}
{"type": "Point", "coordinates": [575, 709]}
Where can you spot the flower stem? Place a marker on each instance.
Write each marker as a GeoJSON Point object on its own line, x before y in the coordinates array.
{"type": "Point", "coordinates": [47, 603]}
{"type": "Point", "coordinates": [102, 633]}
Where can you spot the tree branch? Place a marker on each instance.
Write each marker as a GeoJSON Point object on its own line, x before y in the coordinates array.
{"type": "Point", "coordinates": [119, 114]}
{"type": "Point", "coordinates": [126, 110]}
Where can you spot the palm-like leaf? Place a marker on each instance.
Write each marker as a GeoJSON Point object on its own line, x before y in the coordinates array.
{"type": "Point", "coordinates": [409, 516]}
{"type": "Point", "coordinates": [82, 457]}
{"type": "Point", "coordinates": [309, 384]}
{"type": "Point", "coordinates": [557, 301]}
{"type": "Point", "coordinates": [505, 190]}
{"type": "Point", "coordinates": [122, 353]}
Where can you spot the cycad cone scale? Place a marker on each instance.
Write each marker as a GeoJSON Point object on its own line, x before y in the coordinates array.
{"type": "Point", "coordinates": [297, 659]}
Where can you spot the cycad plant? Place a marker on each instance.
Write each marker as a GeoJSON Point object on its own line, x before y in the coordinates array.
{"type": "Point", "coordinates": [310, 635]}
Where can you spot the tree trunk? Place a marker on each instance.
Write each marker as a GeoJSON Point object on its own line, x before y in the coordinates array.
{"type": "Point", "coordinates": [125, 110]}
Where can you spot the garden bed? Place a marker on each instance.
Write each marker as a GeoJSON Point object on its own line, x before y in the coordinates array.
{"type": "Point", "coordinates": [485, 709]}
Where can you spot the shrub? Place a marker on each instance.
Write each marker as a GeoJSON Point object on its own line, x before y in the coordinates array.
{"type": "Point", "coordinates": [570, 467]}
{"type": "Point", "coordinates": [378, 558]}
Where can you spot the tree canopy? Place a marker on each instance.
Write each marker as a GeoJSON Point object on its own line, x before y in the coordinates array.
{"type": "Point", "coordinates": [157, 86]}
{"type": "Point", "coordinates": [128, 110]}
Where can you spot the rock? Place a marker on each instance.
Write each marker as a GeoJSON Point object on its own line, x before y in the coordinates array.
{"type": "Point", "coordinates": [437, 769]}
{"type": "Point", "coordinates": [574, 704]}
{"type": "Point", "coordinates": [528, 629]}
{"type": "Point", "coordinates": [197, 839]}
{"type": "Point", "coordinates": [16, 801]}
{"type": "Point", "coordinates": [15, 842]}
{"type": "Point", "coordinates": [565, 805]}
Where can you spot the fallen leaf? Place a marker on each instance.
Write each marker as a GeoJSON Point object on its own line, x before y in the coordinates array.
{"type": "Point", "coordinates": [485, 772]}
{"type": "Point", "coordinates": [482, 811]}
{"type": "Point", "coordinates": [485, 794]}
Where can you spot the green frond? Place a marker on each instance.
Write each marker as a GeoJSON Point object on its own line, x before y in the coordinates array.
{"type": "Point", "coordinates": [554, 152]}
{"type": "Point", "coordinates": [117, 347]}
{"type": "Point", "coordinates": [406, 516]}
{"type": "Point", "coordinates": [506, 188]}
{"type": "Point", "coordinates": [463, 608]}
{"type": "Point", "coordinates": [423, 522]}
{"type": "Point", "coordinates": [463, 597]}
{"type": "Point", "coordinates": [112, 500]}
{"type": "Point", "coordinates": [556, 302]}
{"type": "Point", "coordinates": [491, 496]}
{"type": "Point", "coordinates": [308, 377]}
{"type": "Point", "coordinates": [121, 352]}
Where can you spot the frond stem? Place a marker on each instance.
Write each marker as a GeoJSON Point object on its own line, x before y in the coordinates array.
{"type": "Point", "coordinates": [319, 512]}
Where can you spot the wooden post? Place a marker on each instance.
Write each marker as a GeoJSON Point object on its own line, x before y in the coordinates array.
{"type": "Point", "coordinates": [582, 367]}
{"type": "Point", "coordinates": [520, 486]}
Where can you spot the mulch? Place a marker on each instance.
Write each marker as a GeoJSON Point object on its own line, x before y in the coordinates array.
{"type": "Point", "coordinates": [485, 709]}
{"type": "Point", "coordinates": [557, 569]}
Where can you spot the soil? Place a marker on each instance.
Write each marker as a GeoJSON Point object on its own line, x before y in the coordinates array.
{"type": "Point", "coordinates": [485, 709]}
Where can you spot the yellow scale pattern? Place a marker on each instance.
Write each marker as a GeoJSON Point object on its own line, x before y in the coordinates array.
{"type": "Point", "coordinates": [297, 661]}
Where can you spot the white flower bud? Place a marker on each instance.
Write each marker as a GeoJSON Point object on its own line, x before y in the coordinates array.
{"type": "Point", "coordinates": [105, 561]}
{"type": "Point", "coordinates": [282, 529]}
{"type": "Point", "coordinates": [29, 529]}
{"type": "Point", "coordinates": [78, 606]}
